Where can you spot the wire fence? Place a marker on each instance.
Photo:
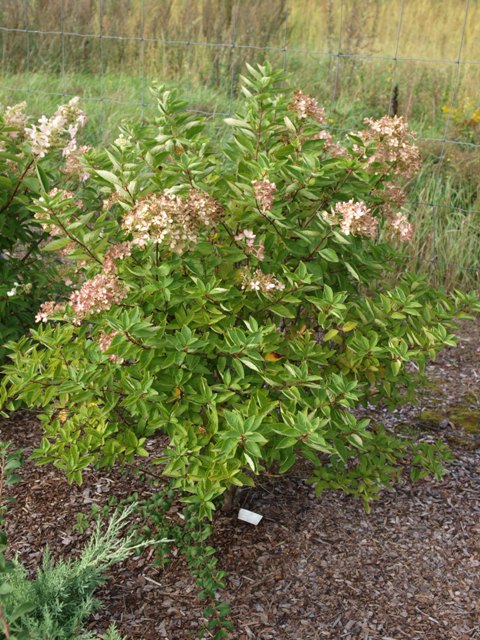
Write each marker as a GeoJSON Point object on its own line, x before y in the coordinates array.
{"type": "Point", "coordinates": [54, 35]}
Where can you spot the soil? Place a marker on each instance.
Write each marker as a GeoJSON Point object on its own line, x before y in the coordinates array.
{"type": "Point", "coordinates": [315, 567]}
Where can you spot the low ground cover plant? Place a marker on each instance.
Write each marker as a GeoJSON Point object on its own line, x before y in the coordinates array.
{"type": "Point", "coordinates": [235, 294]}
{"type": "Point", "coordinates": [58, 600]}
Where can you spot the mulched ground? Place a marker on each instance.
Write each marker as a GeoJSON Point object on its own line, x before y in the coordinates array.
{"type": "Point", "coordinates": [315, 568]}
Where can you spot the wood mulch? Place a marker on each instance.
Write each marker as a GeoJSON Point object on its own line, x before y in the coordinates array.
{"type": "Point", "coordinates": [315, 568]}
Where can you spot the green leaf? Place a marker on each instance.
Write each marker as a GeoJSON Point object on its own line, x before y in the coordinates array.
{"type": "Point", "coordinates": [42, 177]}
{"type": "Point", "coordinates": [285, 443]}
{"type": "Point", "coordinates": [5, 588]}
{"type": "Point", "coordinates": [331, 334]}
{"type": "Point", "coordinates": [235, 122]}
{"type": "Point", "coordinates": [289, 124]}
{"type": "Point", "coordinates": [396, 366]}
{"type": "Point", "coordinates": [351, 270]}
{"type": "Point", "coordinates": [249, 364]}
{"type": "Point", "coordinates": [109, 177]}
{"type": "Point", "coordinates": [57, 244]}
{"type": "Point", "coordinates": [282, 311]}
{"type": "Point", "coordinates": [329, 254]}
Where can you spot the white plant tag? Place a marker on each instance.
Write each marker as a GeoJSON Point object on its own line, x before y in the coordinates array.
{"type": "Point", "coordinates": [249, 516]}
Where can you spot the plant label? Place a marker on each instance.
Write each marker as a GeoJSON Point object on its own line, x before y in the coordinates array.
{"type": "Point", "coordinates": [249, 516]}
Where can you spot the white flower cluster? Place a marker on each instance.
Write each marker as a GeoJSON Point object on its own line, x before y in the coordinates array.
{"type": "Point", "coordinates": [116, 252]}
{"type": "Point", "coordinates": [264, 191]}
{"type": "Point", "coordinates": [15, 118]}
{"type": "Point", "coordinates": [51, 132]}
{"type": "Point", "coordinates": [306, 106]}
{"type": "Point", "coordinates": [247, 237]}
{"type": "Point", "coordinates": [19, 288]}
{"type": "Point", "coordinates": [262, 282]}
{"type": "Point", "coordinates": [73, 155]}
{"type": "Point", "coordinates": [353, 218]}
{"type": "Point", "coordinates": [333, 148]}
{"type": "Point", "coordinates": [172, 219]}
{"type": "Point", "coordinates": [394, 145]}
{"type": "Point", "coordinates": [96, 295]}
{"type": "Point", "coordinates": [401, 227]}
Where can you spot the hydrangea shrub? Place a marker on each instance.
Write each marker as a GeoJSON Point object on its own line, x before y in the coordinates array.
{"type": "Point", "coordinates": [29, 153]}
{"type": "Point", "coordinates": [236, 293]}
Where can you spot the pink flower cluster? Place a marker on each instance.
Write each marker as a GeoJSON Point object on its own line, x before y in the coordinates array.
{"type": "Point", "coordinates": [304, 105]}
{"type": "Point", "coordinates": [333, 148]}
{"type": "Point", "coordinates": [51, 132]}
{"type": "Point", "coordinates": [393, 141]}
{"type": "Point", "coordinates": [354, 218]}
{"type": "Point", "coordinates": [73, 155]}
{"type": "Point", "coordinates": [400, 226]}
{"type": "Point", "coordinates": [96, 295]}
{"type": "Point", "coordinates": [104, 342]}
{"type": "Point", "coordinates": [170, 218]}
{"type": "Point", "coordinates": [393, 196]}
{"type": "Point", "coordinates": [397, 224]}
{"type": "Point", "coordinates": [247, 237]}
{"type": "Point", "coordinates": [259, 281]}
{"type": "Point", "coordinates": [110, 201]}
{"type": "Point", "coordinates": [48, 309]}
{"type": "Point", "coordinates": [264, 191]}
{"type": "Point", "coordinates": [114, 253]}
{"type": "Point", "coordinates": [16, 119]}
{"type": "Point", "coordinates": [99, 293]}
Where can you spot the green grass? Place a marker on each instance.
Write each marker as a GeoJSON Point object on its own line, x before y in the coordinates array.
{"type": "Point", "coordinates": [108, 100]}
{"type": "Point", "coordinates": [113, 97]}
{"type": "Point", "coordinates": [446, 245]}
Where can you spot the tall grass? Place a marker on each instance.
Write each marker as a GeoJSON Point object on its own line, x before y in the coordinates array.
{"type": "Point", "coordinates": [429, 28]}
{"type": "Point", "coordinates": [208, 42]}
{"type": "Point", "coordinates": [445, 210]}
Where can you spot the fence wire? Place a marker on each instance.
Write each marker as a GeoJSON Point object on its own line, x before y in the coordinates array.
{"type": "Point", "coordinates": [233, 46]}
